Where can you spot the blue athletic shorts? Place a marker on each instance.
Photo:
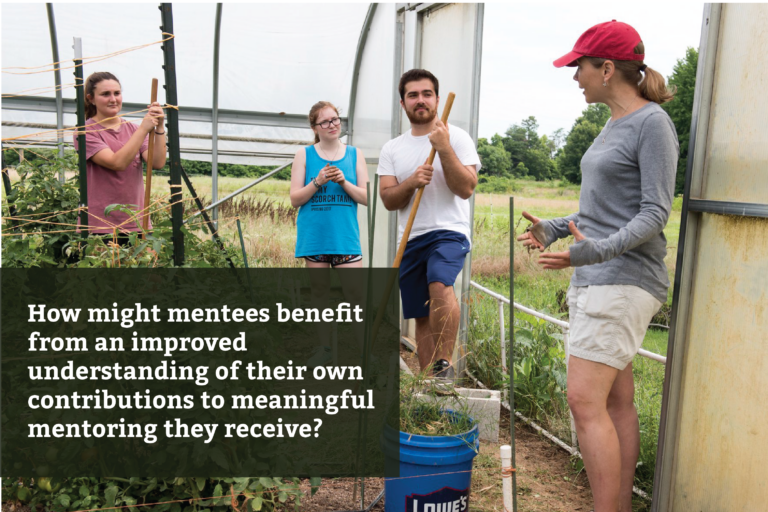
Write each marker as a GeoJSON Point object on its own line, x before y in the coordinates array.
{"type": "Point", "coordinates": [434, 257]}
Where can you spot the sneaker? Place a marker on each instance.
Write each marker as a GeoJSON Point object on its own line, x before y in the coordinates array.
{"type": "Point", "coordinates": [320, 356]}
{"type": "Point", "coordinates": [442, 369]}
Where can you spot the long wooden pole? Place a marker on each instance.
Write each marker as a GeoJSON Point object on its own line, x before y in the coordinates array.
{"type": "Point", "coordinates": [393, 275]}
{"type": "Point", "coordinates": [420, 191]}
{"type": "Point", "coordinates": [150, 158]}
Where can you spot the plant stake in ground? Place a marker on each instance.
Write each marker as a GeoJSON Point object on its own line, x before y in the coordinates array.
{"type": "Point", "coordinates": [150, 155]}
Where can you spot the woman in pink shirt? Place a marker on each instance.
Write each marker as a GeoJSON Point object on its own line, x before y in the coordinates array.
{"type": "Point", "coordinates": [114, 150]}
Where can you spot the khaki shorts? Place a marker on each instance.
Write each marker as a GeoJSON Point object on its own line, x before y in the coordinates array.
{"type": "Point", "coordinates": [608, 323]}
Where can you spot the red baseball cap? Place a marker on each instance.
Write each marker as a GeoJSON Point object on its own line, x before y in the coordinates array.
{"type": "Point", "coordinates": [610, 40]}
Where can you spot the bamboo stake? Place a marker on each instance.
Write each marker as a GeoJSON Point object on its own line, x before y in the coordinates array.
{"type": "Point", "coordinates": [150, 157]}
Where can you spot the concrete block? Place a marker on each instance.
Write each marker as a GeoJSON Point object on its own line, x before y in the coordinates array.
{"type": "Point", "coordinates": [483, 405]}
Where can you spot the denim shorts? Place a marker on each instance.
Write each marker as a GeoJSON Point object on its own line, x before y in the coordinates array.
{"type": "Point", "coordinates": [434, 257]}
{"type": "Point", "coordinates": [608, 323]}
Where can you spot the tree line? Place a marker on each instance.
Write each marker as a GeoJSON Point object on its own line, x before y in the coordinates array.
{"type": "Point", "coordinates": [43, 156]}
{"type": "Point", "coordinates": [522, 153]}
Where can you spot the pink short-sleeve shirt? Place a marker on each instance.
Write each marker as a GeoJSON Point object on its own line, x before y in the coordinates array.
{"type": "Point", "coordinates": [105, 186]}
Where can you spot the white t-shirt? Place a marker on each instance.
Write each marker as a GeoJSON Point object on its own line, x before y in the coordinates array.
{"type": "Point", "coordinates": [439, 207]}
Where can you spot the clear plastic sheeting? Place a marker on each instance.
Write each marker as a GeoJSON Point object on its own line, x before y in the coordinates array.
{"type": "Point", "coordinates": [286, 57]}
{"type": "Point", "coordinates": [373, 108]}
{"type": "Point", "coordinates": [104, 29]}
{"type": "Point", "coordinates": [274, 58]}
{"type": "Point", "coordinates": [27, 43]}
{"type": "Point", "coordinates": [372, 119]}
{"type": "Point", "coordinates": [447, 50]}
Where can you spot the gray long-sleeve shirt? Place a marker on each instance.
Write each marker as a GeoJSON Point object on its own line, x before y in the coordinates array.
{"type": "Point", "coordinates": [627, 188]}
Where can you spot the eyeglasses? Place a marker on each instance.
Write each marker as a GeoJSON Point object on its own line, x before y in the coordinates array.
{"type": "Point", "coordinates": [325, 124]}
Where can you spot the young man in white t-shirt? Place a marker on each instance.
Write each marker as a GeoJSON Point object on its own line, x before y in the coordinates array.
{"type": "Point", "coordinates": [439, 239]}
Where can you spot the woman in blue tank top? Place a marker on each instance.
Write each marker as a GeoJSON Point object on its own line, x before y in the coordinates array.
{"type": "Point", "coordinates": [328, 181]}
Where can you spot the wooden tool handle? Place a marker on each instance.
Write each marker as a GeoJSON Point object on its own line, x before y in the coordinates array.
{"type": "Point", "coordinates": [420, 191]}
{"type": "Point", "coordinates": [150, 157]}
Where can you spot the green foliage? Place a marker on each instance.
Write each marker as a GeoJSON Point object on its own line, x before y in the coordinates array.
{"type": "Point", "coordinates": [495, 185]}
{"type": "Point", "coordinates": [214, 494]}
{"type": "Point", "coordinates": [495, 159]}
{"type": "Point", "coordinates": [539, 362]}
{"type": "Point", "coordinates": [195, 167]}
{"type": "Point", "coordinates": [520, 152]}
{"type": "Point", "coordinates": [586, 128]}
{"type": "Point", "coordinates": [539, 358]}
{"type": "Point", "coordinates": [526, 147]}
{"type": "Point", "coordinates": [38, 194]}
{"type": "Point", "coordinates": [680, 109]}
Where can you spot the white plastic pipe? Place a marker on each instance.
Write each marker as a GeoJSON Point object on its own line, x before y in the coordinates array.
{"type": "Point", "coordinates": [506, 476]}
{"type": "Point", "coordinates": [566, 325]}
{"type": "Point", "coordinates": [566, 344]}
{"type": "Point", "coordinates": [502, 337]}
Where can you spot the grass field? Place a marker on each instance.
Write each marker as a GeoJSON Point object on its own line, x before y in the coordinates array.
{"type": "Point", "coordinates": [266, 217]}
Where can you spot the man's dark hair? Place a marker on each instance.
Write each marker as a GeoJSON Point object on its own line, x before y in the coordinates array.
{"type": "Point", "coordinates": [414, 75]}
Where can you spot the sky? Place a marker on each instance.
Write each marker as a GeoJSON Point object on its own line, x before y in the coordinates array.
{"type": "Point", "coordinates": [520, 41]}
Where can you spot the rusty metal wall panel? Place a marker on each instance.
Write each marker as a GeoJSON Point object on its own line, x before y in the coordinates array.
{"type": "Point", "coordinates": [723, 429]}
{"type": "Point", "coordinates": [714, 433]}
{"type": "Point", "coordinates": [737, 153]}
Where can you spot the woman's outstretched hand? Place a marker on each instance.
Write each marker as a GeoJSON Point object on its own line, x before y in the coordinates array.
{"type": "Point", "coordinates": [561, 260]}
{"type": "Point", "coordinates": [527, 238]}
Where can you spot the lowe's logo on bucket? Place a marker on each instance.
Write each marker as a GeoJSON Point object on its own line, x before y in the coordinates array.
{"type": "Point", "coordinates": [446, 499]}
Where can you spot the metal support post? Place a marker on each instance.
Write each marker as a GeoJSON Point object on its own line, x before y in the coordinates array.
{"type": "Point", "coordinates": [57, 81]}
{"type": "Point", "coordinates": [510, 359]}
{"type": "Point", "coordinates": [8, 188]}
{"type": "Point", "coordinates": [82, 164]}
{"type": "Point", "coordinates": [214, 232]}
{"type": "Point", "coordinates": [215, 123]}
{"type": "Point", "coordinates": [174, 149]}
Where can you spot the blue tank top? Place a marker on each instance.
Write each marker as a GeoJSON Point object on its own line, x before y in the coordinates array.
{"type": "Point", "coordinates": [327, 223]}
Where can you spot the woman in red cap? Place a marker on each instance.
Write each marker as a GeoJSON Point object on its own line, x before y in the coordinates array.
{"type": "Point", "coordinates": [620, 280]}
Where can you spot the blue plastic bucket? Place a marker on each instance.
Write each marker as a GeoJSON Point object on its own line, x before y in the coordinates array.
{"type": "Point", "coordinates": [447, 458]}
